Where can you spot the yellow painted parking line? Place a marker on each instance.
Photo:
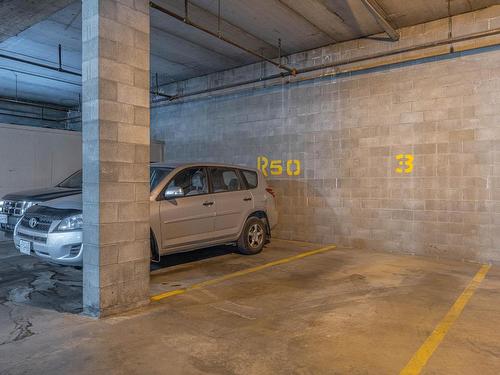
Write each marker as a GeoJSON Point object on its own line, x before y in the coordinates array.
{"type": "Point", "coordinates": [217, 280]}
{"type": "Point", "coordinates": [424, 353]}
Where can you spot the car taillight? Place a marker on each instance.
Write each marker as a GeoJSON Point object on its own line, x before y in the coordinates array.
{"type": "Point", "coordinates": [271, 191]}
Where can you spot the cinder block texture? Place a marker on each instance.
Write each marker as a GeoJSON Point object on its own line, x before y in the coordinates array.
{"type": "Point", "coordinates": [115, 155]}
{"type": "Point", "coordinates": [347, 131]}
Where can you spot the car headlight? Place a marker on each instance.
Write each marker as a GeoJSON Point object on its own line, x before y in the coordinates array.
{"type": "Point", "coordinates": [26, 205]}
{"type": "Point", "coordinates": [71, 223]}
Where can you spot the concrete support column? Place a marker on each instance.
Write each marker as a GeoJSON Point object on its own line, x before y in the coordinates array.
{"type": "Point", "coordinates": [115, 155]}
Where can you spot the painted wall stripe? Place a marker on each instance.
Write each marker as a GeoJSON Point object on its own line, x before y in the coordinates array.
{"type": "Point", "coordinates": [218, 280]}
{"type": "Point", "coordinates": [424, 353]}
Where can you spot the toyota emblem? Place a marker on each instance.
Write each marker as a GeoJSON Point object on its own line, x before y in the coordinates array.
{"type": "Point", "coordinates": [33, 222]}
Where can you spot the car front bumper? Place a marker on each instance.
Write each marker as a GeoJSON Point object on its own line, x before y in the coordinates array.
{"type": "Point", "coordinates": [8, 228]}
{"type": "Point", "coordinates": [57, 247]}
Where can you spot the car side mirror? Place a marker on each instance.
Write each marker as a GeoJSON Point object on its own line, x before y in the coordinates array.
{"type": "Point", "coordinates": [174, 192]}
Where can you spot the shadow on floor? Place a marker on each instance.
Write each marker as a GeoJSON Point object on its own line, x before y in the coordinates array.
{"type": "Point", "coordinates": [192, 256]}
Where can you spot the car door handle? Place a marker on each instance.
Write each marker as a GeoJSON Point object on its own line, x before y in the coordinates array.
{"type": "Point", "coordinates": [247, 199]}
{"type": "Point", "coordinates": [208, 203]}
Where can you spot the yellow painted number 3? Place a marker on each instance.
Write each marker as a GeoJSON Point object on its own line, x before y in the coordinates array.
{"type": "Point", "coordinates": [406, 161]}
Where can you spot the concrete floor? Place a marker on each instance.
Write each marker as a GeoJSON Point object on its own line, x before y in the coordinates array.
{"type": "Point", "coordinates": [340, 312]}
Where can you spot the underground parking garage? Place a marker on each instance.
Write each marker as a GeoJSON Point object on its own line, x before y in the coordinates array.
{"type": "Point", "coordinates": [266, 187]}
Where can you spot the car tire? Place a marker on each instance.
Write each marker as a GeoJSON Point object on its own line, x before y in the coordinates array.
{"type": "Point", "coordinates": [253, 236]}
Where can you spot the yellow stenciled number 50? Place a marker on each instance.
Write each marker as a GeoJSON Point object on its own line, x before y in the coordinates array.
{"type": "Point", "coordinates": [408, 163]}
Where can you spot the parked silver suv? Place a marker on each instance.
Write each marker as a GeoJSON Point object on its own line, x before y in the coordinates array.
{"type": "Point", "coordinates": [191, 206]}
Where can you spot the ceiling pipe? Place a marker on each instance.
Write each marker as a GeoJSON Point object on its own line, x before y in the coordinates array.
{"type": "Point", "coordinates": [187, 21]}
{"type": "Point", "coordinates": [61, 70]}
{"type": "Point", "coordinates": [45, 66]}
{"type": "Point", "coordinates": [32, 117]}
{"type": "Point", "coordinates": [348, 62]}
{"type": "Point", "coordinates": [381, 17]}
{"type": "Point", "coordinates": [39, 76]}
{"type": "Point", "coordinates": [72, 118]}
{"type": "Point", "coordinates": [35, 104]}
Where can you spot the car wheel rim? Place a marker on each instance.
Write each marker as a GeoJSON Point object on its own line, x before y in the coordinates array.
{"type": "Point", "coordinates": [255, 235]}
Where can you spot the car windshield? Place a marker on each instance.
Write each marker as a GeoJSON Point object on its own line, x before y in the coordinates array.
{"type": "Point", "coordinates": [72, 182]}
{"type": "Point", "coordinates": [157, 174]}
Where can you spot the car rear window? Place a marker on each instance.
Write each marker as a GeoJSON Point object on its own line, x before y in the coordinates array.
{"type": "Point", "coordinates": [251, 178]}
{"type": "Point", "coordinates": [224, 179]}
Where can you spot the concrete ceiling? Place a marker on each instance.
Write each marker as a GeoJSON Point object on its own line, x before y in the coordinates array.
{"type": "Point", "coordinates": [18, 15]}
{"type": "Point", "coordinates": [33, 30]}
{"type": "Point", "coordinates": [39, 43]}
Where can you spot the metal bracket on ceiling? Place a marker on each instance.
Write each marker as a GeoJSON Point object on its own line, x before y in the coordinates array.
{"type": "Point", "coordinates": [279, 51]}
{"type": "Point", "coordinates": [60, 58]}
{"type": "Point", "coordinates": [219, 31]}
{"type": "Point", "coordinates": [450, 26]}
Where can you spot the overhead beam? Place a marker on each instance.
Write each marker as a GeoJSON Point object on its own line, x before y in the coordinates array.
{"type": "Point", "coordinates": [381, 18]}
{"type": "Point", "coordinates": [308, 20]}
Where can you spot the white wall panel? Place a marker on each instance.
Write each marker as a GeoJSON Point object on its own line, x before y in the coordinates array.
{"type": "Point", "coordinates": [33, 157]}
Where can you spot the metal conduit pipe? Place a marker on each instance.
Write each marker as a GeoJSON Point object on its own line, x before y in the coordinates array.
{"type": "Point", "coordinates": [45, 66]}
{"type": "Point", "coordinates": [223, 87]}
{"type": "Point", "coordinates": [187, 21]}
{"type": "Point", "coordinates": [73, 118]}
{"type": "Point", "coordinates": [35, 104]}
{"type": "Point", "coordinates": [39, 76]}
{"type": "Point", "coordinates": [61, 70]}
{"type": "Point", "coordinates": [404, 50]}
{"type": "Point", "coordinates": [347, 62]}
{"type": "Point", "coordinates": [31, 117]}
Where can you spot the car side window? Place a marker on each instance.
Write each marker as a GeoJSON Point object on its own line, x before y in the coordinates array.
{"type": "Point", "coordinates": [225, 179]}
{"type": "Point", "coordinates": [189, 182]}
{"type": "Point", "coordinates": [251, 178]}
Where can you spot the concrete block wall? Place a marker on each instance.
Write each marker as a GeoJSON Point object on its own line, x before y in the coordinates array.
{"type": "Point", "coordinates": [347, 131]}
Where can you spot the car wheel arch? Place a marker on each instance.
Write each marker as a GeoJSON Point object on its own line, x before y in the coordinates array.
{"type": "Point", "coordinates": [260, 214]}
{"type": "Point", "coordinates": [155, 250]}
